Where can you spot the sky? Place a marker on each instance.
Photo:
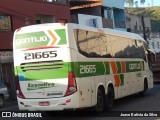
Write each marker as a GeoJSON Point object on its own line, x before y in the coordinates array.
{"type": "Point", "coordinates": [149, 3]}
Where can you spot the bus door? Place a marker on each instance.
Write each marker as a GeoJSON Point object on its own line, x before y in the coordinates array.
{"type": "Point", "coordinates": [84, 83]}
{"type": "Point", "coordinates": [126, 85]}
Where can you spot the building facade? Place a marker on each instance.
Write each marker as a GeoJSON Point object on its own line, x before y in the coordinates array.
{"type": "Point", "coordinates": [18, 13]}
{"type": "Point", "coordinates": [142, 25]}
{"type": "Point", "coordinates": [111, 12]}
{"type": "Point", "coordinates": [134, 24]}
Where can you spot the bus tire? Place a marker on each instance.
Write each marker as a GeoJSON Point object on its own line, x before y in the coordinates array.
{"type": "Point", "coordinates": [100, 102]}
{"type": "Point", "coordinates": [144, 92]}
{"type": "Point", "coordinates": [109, 99]}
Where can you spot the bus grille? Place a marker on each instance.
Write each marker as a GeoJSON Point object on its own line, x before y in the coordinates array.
{"type": "Point", "coordinates": [41, 66]}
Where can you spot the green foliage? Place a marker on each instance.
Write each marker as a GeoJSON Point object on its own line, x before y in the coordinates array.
{"type": "Point", "coordinates": [142, 1]}
{"type": "Point", "coordinates": [130, 2]}
{"type": "Point", "coordinates": [136, 3]}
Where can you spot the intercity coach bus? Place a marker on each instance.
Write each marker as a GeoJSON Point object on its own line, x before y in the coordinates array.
{"type": "Point", "coordinates": [71, 66]}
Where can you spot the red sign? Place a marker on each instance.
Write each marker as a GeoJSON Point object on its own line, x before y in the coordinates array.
{"type": "Point", "coordinates": [44, 103]}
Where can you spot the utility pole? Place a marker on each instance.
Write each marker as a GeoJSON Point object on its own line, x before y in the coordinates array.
{"type": "Point", "coordinates": [143, 26]}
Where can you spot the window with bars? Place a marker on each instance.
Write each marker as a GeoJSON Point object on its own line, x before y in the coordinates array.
{"type": "Point", "coordinates": [45, 19]}
{"type": "Point", "coordinates": [96, 44]}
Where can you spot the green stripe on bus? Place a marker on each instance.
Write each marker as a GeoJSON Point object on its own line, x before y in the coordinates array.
{"type": "Point", "coordinates": [81, 69]}
{"type": "Point", "coordinates": [119, 67]}
{"type": "Point", "coordinates": [122, 79]}
{"type": "Point", "coordinates": [87, 69]}
{"type": "Point", "coordinates": [107, 67]}
{"type": "Point", "coordinates": [134, 66]}
{"type": "Point", "coordinates": [44, 74]}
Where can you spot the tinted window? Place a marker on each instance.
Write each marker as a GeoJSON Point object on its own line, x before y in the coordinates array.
{"type": "Point", "coordinates": [94, 44]}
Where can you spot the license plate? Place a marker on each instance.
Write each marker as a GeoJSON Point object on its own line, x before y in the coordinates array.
{"type": "Point", "coordinates": [45, 103]}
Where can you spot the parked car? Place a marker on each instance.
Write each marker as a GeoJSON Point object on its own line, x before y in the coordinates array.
{"type": "Point", "coordinates": [3, 93]}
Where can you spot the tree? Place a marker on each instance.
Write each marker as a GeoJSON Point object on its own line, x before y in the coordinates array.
{"type": "Point", "coordinates": [129, 2]}
{"type": "Point", "coordinates": [142, 2]}
{"type": "Point", "coordinates": [136, 4]}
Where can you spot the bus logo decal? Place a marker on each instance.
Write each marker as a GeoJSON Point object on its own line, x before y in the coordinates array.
{"type": "Point", "coordinates": [40, 39]}
{"type": "Point", "coordinates": [32, 86]}
{"type": "Point", "coordinates": [117, 69]}
{"type": "Point", "coordinates": [54, 38]}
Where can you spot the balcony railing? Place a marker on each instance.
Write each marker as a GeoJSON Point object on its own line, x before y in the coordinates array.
{"type": "Point", "coordinates": [119, 24]}
{"type": "Point", "coordinates": [107, 23]}
{"type": "Point", "coordinates": [85, 0]}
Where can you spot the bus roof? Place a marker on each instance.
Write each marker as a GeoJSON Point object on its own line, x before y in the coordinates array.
{"type": "Point", "coordinates": [124, 34]}
{"type": "Point", "coordinates": [113, 32]}
{"type": "Point", "coordinates": [106, 30]}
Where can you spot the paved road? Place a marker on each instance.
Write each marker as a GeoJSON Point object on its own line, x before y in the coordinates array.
{"type": "Point", "coordinates": [135, 103]}
{"type": "Point", "coordinates": [150, 103]}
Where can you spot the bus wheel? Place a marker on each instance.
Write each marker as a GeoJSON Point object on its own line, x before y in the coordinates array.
{"type": "Point", "coordinates": [144, 92]}
{"type": "Point", "coordinates": [100, 102]}
{"type": "Point", "coordinates": [109, 99]}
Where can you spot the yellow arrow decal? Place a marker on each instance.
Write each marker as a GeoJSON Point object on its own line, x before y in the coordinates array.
{"type": "Point", "coordinates": [53, 36]}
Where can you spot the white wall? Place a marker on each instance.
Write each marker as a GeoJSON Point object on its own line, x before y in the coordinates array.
{"type": "Point", "coordinates": [154, 42]}
{"type": "Point", "coordinates": [88, 20]}
{"type": "Point", "coordinates": [137, 20]}
{"type": "Point", "coordinates": [114, 3]}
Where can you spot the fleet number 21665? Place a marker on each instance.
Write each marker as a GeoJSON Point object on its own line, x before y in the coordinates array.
{"type": "Point", "coordinates": [39, 55]}
{"type": "Point", "coordinates": [87, 69]}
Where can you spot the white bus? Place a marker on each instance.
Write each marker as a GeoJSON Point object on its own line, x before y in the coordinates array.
{"type": "Point", "coordinates": [71, 66]}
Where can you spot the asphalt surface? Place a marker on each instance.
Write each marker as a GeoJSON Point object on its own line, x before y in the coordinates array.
{"type": "Point", "coordinates": [150, 104]}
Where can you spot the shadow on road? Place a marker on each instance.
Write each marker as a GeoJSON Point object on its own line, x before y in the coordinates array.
{"type": "Point", "coordinates": [120, 105]}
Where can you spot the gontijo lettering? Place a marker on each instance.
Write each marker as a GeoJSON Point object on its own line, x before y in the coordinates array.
{"type": "Point", "coordinates": [135, 66]}
{"type": "Point", "coordinates": [31, 40]}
